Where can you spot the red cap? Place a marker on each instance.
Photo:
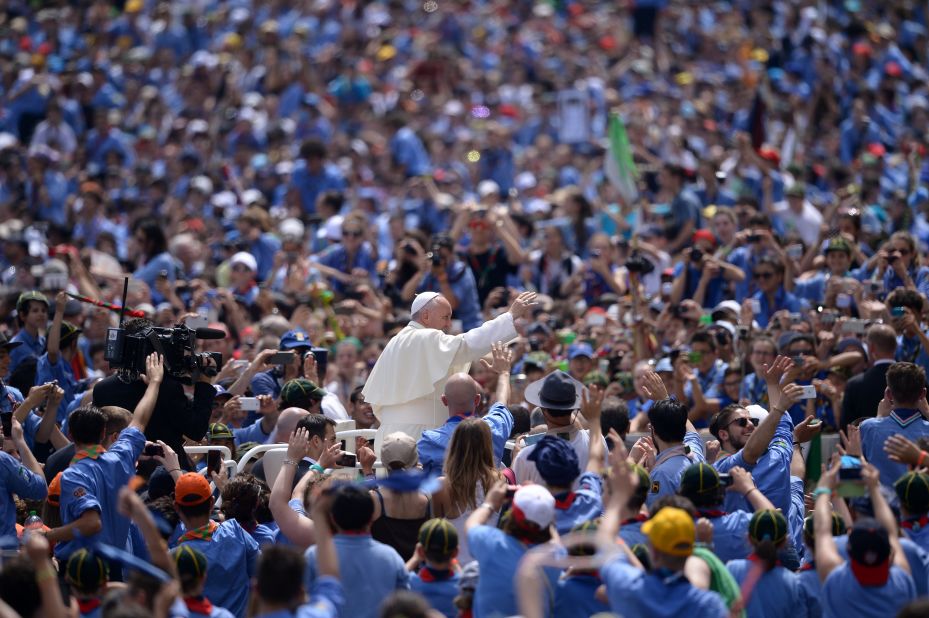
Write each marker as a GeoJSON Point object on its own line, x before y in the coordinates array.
{"type": "Point", "coordinates": [770, 154]}
{"type": "Point", "coordinates": [893, 69]}
{"type": "Point", "coordinates": [704, 234]}
{"type": "Point", "coordinates": [191, 489]}
{"type": "Point", "coordinates": [861, 49]}
{"type": "Point", "coordinates": [877, 149]}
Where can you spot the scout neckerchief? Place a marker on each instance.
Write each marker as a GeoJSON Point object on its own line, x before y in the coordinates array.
{"type": "Point", "coordinates": [429, 575]}
{"type": "Point", "coordinates": [565, 501]}
{"type": "Point", "coordinates": [641, 517]}
{"type": "Point", "coordinates": [85, 606]}
{"type": "Point", "coordinates": [710, 513]}
{"type": "Point", "coordinates": [905, 416]}
{"type": "Point", "coordinates": [915, 523]}
{"type": "Point", "coordinates": [203, 533]}
{"type": "Point", "coordinates": [199, 605]}
{"type": "Point", "coordinates": [88, 452]}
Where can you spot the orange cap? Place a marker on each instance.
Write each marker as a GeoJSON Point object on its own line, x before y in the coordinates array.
{"type": "Point", "coordinates": [191, 489]}
{"type": "Point", "coordinates": [54, 491]}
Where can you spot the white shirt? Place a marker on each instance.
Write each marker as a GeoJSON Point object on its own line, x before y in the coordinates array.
{"type": "Point", "coordinates": [525, 470]}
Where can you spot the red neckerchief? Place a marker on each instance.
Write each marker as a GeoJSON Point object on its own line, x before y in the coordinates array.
{"type": "Point", "coordinates": [809, 566]}
{"type": "Point", "coordinates": [916, 523]}
{"type": "Point", "coordinates": [710, 513]}
{"type": "Point", "coordinates": [429, 575]}
{"type": "Point", "coordinates": [90, 452]}
{"type": "Point", "coordinates": [754, 558]}
{"type": "Point", "coordinates": [635, 520]}
{"type": "Point", "coordinates": [199, 605]}
{"type": "Point", "coordinates": [88, 605]}
{"type": "Point", "coordinates": [595, 573]}
{"type": "Point", "coordinates": [563, 504]}
{"type": "Point", "coordinates": [203, 533]}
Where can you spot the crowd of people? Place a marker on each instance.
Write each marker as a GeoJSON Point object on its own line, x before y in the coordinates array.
{"type": "Point", "coordinates": [696, 233]}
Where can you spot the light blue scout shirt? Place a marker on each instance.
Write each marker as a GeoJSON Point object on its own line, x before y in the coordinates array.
{"type": "Point", "coordinates": [577, 507]}
{"type": "Point", "coordinates": [777, 594]}
{"type": "Point", "coordinates": [918, 559]}
{"type": "Point", "coordinates": [575, 596]}
{"type": "Point", "coordinates": [61, 371]}
{"type": "Point", "coordinates": [670, 465]}
{"type": "Point", "coordinates": [369, 570]}
{"type": "Point", "coordinates": [498, 555]}
{"type": "Point", "coordinates": [434, 442]}
{"type": "Point", "coordinates": [843, 596]}
{"type": "Point", "coordinates": [327, 598]}
{"type": "Point", "coordinates": [197, 609]}
{"type": "Point", "coordinates": [633, 593]}
{"type": "Point", "coordinates": [917, 530]}
{"type": "Point", "coordinates": [439, 588]}
{"type": "Point", "coordinates": [630, 531]}
{"type": "Point", "coordinates": [730, 533]}
{"type": "Point", "coordinates": [9, 398]}
{"type": "Point", "coordinates": [31, 346]}
{"type": "Point", "coordinates": [771, 473]}
{"type": "Point", "coordinates": [93, 483]}
{"type": "Point", "coordinates": [231, 553]}
{"type": "Point", "coordinates": [17, 479]}
{"type": "Point", "coordinates": [809, 579]}
{"type": "Point", "coordinates": [875, 431]}
{"type": "Point", "coordinates": [252, 433]}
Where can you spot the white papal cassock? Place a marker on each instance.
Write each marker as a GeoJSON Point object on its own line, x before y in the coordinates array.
{"type": "Point", "coordinates": [406, 385]}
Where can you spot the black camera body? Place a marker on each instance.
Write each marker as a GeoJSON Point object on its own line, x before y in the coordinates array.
{"type": "Point", "coordinates": [176, 345]}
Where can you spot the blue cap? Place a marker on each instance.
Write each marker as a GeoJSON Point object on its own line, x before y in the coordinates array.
{"type": "Point", "coordinates": [580, 349]}
{"type": "Point", "coordinates": [664, 365]}
{"type": "Point", "coordinates": [556, 461]}
{"type": "Point", "coordinates": [296, 338]}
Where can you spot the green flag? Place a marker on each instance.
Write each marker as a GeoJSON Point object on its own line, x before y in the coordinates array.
{"type": "Point", "coordinates": [618, 164]}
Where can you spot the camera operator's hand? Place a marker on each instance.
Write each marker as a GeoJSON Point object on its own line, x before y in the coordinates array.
{"type": "Point", "coordinates": [154, 369]}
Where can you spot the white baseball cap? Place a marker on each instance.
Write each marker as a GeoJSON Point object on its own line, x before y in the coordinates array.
{"type": "Point", "coordinates": [246, 259]}
{"type": "Point", "coordinates": [536, 504]}
{"type": "Point", "coordinates": [487, 187]}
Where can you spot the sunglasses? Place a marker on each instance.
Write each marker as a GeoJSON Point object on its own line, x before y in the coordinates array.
{"type": "Point", "coordinates": [743, 422]}
{"type": "Point", "coordinates": [765, 275]}
{"type": "Point", "coordinates": [352, 233]}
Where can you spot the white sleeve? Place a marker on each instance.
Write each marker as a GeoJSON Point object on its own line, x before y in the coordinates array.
{"type": "Point", "coordinates": [477, 341]}
{"type": "Point", "coordinates": [333, 408]}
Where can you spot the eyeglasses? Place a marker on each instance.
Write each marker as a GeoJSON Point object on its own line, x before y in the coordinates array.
{"type": "Point", "coordinates": [352, 233]}
{"type": "Point", "coordinates": [743, 422]}
{"type": "Point", "coordinates": [764, 275]}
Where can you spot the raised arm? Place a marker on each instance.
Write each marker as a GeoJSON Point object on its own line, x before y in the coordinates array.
{"type": "Point", "coordinates": [781, 399]}
{"type": "Point", "coordinates": [299, 529]}
{"type": "Point", "coordinates": [327, 560]}
{"type": "Point", "coordinates": [827, 555]}
{"type": "Point", "coordinates": [54, 332]}
{"type": "Point", "coordinates": [154, 374]}
{"type": "Point", "coordinates": [501, 365]}
{"type": "Point", "coordinates": [591, 404]}
{"type": "Point", "coordinates": [130, 505]}
{"type": "Point", "coordinates": [883, 514]}
{"type": "Point", "coordinates": [25, 454]}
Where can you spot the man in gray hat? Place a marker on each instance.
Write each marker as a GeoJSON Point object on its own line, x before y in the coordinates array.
{"type": "Point", "coordinates": [558, 395]}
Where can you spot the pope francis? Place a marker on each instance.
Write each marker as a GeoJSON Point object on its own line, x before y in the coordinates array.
{"type": "Point", "coordinates": [405, 386]}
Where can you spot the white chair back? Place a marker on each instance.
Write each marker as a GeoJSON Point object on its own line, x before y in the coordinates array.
{"type": "Point", "coordinates": [257, 450]}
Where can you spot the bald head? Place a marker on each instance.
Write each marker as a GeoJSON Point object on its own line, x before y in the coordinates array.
{"type": "Point", "coordinates": [462, 394]}
{"type": "Point", "coordinates": [437, 313]}
{"type": "Point", "coordinates": [286, 423]}
{"type": "Point", "coordinates": [882, 341]}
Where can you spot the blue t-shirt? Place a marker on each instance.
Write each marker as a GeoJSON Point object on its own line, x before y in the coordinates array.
{"type": "Point", "coordinates": [777, 594]}
{"type": "Point", "coordinates": [875, 431]}
{"type": "Point", "coordinates": [369, 571]}
{"type": "Point", "coordinates": [579, 506]}
{"type": "Point", "coordinates": [730, 534]}
{"type": "Point", "coordinates": [574, 596]}
{"type": "Point", "coordinates": [783, 300]}
{"type": "Point", "coordinates": [631, 531]}
{"type": "Point", "coordinates": [15, 478]}
{"type": "Point", "coordinates": [434, 442]}
{"type": "Point", "coordinates": [633, 593]}
{"type": "Point", "coordinates": [809, 580]}
{"type": "Point", "coordinates": [31, 346]}
{"type": "Point", "coordinates": [670, 465]}
{"type": "Point", "coordinates": [498, 555]}
{"type": "Point", "coordinates": [93, 483]}
{"type": "Point", "coordinates": [843, 596]}
{"type": "Point", "coordinates": [439, 588]}
{"type": "Point", "coordinates": [231, 554]}
{"type": "Point", "coordinates": [918, 559]}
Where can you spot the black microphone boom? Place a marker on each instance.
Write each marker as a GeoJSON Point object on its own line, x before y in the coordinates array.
{"type": "Point", "coordinates": [210, 333]}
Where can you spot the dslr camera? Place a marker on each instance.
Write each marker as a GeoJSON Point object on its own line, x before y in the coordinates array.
{"type": "Point", "coordinates": [128, 351]}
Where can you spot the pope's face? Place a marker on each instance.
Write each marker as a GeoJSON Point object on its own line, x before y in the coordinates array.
{"type": "Point", "coordinates": [438, 315]}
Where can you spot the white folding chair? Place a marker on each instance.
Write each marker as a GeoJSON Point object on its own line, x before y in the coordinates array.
{"type": "Point", "coordinates": [345, 425]}
{"type": "Point", "coordinates": [272, 462]}
{"type": "Point", "coordinates": [203, 450]}
{"type": "Point", "coordinates": [253, 453]}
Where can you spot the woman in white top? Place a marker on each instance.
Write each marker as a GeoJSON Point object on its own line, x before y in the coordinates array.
{"type": "Point", "coordinates": [469, 475]}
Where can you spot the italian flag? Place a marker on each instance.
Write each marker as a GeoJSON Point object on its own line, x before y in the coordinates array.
{"type": "Point", "coordinates": [618, 165]}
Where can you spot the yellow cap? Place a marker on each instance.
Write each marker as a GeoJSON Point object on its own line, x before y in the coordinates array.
{"type": "Point", "coordinates": [386, 52]}
{"type": "Point", "coordinates": [134, 6]}
{"type": "Point", "coordinates": [671, 531]}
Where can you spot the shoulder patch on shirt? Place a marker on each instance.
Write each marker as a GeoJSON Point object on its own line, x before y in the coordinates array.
{"type": "Point", "coordinates": [80, 492]}
{"type": "Point", "coordinates": [656, 487]}
{"type": "Point", "coordinates": [780, 443]}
